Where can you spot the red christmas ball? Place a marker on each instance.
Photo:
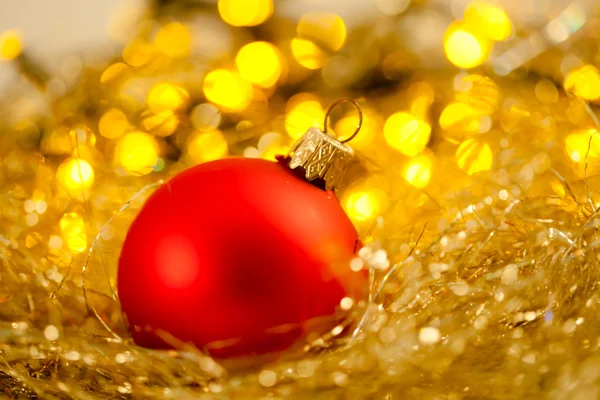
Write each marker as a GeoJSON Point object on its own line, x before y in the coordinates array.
{"type": "Point", "coordinates": [239, 257]}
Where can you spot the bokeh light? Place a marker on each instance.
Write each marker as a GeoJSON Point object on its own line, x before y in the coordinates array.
{"type": "Point", "coordinates": [206, 146]}
{"type": "Point", "coordinates": [82, 135]}
{"type": "Point", "coordinates": [173, 40]}
{"type": "Point", "coordinates": [489, 19]}
{"type": "Point", "coordinates": [473, 156]}
{"type": "Point", "coordinates": [458, 119]}
{"type": "Point", "coordinates": [417, 171]}
{"type": "Point", "coordinates": [308, 54]}
{"type": "Point", "coordinates": [327, 29]}
{"type": "Point", "coordinates": [73, 231]}
{"type": "Point", "coordinates": [228, 89]}
{"type": "Point", "coordinates": [58, 141]}
{"type": "Point", "coordinates": [303, 111]}
{"type": "Point", "coordinates": [271, 145]}
{"type": "Point", "coordinates": [138, 53]}
{"type": "Point", "coordinates": [581, 143]}
{"type": "Point", "coordinates": [259, 63]}
{"type": "Point", "coordinates": [421, 95]}
{"type": "Point", "coordinates": [362, 206]}
{"type": "Point", "coordinates": [546, 91]}
{"type": "Point", "coordinates": [370, 128]}
{"type": "Point", "coordinates": [137, 153]}
{"type": "Point", "coordinates": [166, 97]}
{"type": "Point", "coordinates": [113, 123]}
{"type": "Point", "coordinates": [465, 47]}
{"type": "Point", "coordinates": [245, 12]}
{"type": "Point", "coordinates": [318, 34]}
{"type": "Point", "coordinates": [406, 133]}
{"type": "Point", "coordinates": [114, 71]}
{"type": "Point", "coordinates": [584, 82]}
{"type": "Point", "coordinates": [76, 176]}
{"type": "Point", "coordinates": [162, 124]}
{"type": "Point", "coordinates": [205, 116]}
{"type": "Point", "coordinates": [10, 45]}
{"type": "Point", "coordinates": [478, 91]}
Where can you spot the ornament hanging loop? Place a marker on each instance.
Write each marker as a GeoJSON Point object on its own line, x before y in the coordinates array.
{"type": "Point", "coordinates": [360, 117]}
{"type": "Point", "coordinates": [320, 156]}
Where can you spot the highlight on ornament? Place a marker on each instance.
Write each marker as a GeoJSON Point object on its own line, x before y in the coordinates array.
{"type": "Point", "coordinates": [257, 199]}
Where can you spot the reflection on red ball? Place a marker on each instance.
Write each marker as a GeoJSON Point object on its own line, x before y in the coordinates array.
{"type": "Point", "coordinates": [239, 257]}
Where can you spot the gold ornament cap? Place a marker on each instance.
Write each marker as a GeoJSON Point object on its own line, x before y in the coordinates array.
{"type": "Point", "coordinates": [321, 155]}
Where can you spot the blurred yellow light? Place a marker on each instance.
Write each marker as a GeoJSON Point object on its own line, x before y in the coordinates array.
{"type": "Point", "coordinates": [138, 53]}
{"type": "Point", "coordinates": [362, 206]}
{"type": "Point", "coordinates": [72, 227]}
{"type": "Point", "coordinates": [205, 116]}
{"type": "Point", "coordinates": [480, 92]}
{"type": "Point", "coordinates": [326, 29]}
{"type": "Point", "coordinates": [76, 176]}
{"type": "Point", "coordinates": [57, 141]}
{"type": "Point", "coordinates": [269, 139]}
{"type": "Point", "coordinates": [80, 135]}
{"type": "Point", "coordinates": [308, 54]}
{"type": "Point", "coordinates": [137, 153]}
{"type": "Point", "coordinates": [489, 19]}
{"type": "Point", "coordinates": [464, 47]}
{"type": "Point", "coordinates": [274, 150]}
{"type": "Point", "coordinates": [455, 113]}
{"type": "Point", "coordinates": [114, 71]}
{"type": "Point", "coordinates": [458, 119]}
{"type": "Point", "coordinates": [421, 96]}
{"type": "Point", "coordinates": [206, 146]}
{"type": "Point", "coordinates": [174, 40]}
{"type": "Point", "coordinates": [417, 171]}
{"type": "Point", "coordinates": [161, 124]}
{"type": "Point", "coordinates": [113, 123]}
{"type": "Point", "coordinates": [244, 125]}
{"type": "Point", "coordinates": [165, 97]}
{"type": "Point", "coordinates": [298, 99]}
{"type": "Point", "coordinates": [228, 89]}
{"type": "Point", "coordinates": [259, 63]}
{"type": "Point", "coordinates": [582, 143]}
{"type": "Point", "coordinates": [270, 145]}
{"type": "Point", "coordinates": [245, 12]}
{"type": "Point", "coordinates": [474, 156]}
{"type": "Point", "coordinates": [546, 91]}
{"type": "Point", "coordinates": [406, 133]}
{"type": "Point", "coordinates": [306, 114]}
{"type": "Point", "coordinates": [584, 82]}
{"type": "Point", "coordinates": [369, 129]}
{"type": "Point", "coordinates": [10, 45]}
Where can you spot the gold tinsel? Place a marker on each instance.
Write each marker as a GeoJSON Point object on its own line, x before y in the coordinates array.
{"type": "Point", "coordinates": [475, 192]}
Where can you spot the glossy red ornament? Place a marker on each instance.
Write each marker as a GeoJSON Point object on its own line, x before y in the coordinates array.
{"type": "Point", "coordinates": [239, 257]}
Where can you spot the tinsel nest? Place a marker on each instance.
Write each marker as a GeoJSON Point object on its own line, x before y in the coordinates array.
{"type": "Point", "coordinates": [484, 281]}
